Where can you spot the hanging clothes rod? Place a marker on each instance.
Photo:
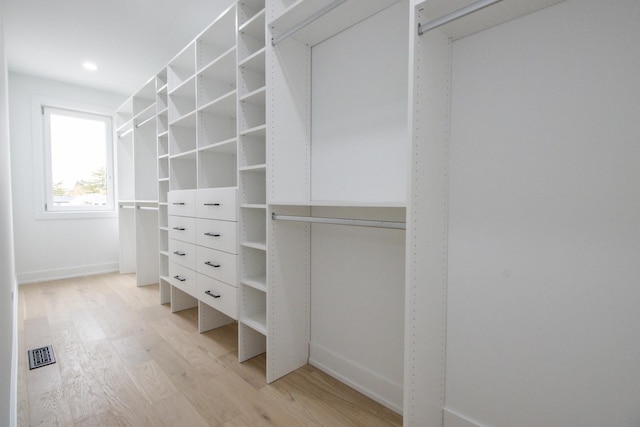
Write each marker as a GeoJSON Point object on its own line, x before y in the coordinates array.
{"type": "Point", "coordinates": [125, 133]}
{"type": "Point", "coordinates": [328, 8]}
{"type": "Point", "coordinates": [341, 221]}
{"type": "Point", "coordinates": [127, 207]}
{"type": "Point", "coordinates": [456, 14]}
{"type": "Point", "coordinates": [145, 121]}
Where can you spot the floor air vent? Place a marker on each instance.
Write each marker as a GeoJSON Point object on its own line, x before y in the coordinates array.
{"type": "Point", "coordinates": [39, 357]}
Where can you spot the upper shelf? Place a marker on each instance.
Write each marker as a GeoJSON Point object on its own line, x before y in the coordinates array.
{"type": "Point", "coordinates": [482, 19]}
{"type": "Point", "coordinates": [343, 16]}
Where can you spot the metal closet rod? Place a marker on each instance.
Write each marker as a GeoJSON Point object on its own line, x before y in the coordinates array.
{"type": "Point", "coordinates": [328, 8]}
{"type": "Point", "coordinates": [456, 14]}
{"type": "Point", "coordinates": [341, 221]}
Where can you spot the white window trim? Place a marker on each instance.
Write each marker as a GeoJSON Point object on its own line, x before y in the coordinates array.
{"type": "Point", "coordinates": [39, 158]}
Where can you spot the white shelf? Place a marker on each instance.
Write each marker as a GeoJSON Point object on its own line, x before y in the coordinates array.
{"type": "Point", "coordinates": [254, 168]}
{"type": "Point", "coordinates": [257, 322]}
{"type": "Point", "coordinates": [224, 106]}
{"type": "Point", "coordinates": [260, 130]}
{"type": "Point", "coordinates": [255, 61]}
{"type": "Point", "coordinates": [333, 22]}
{"type": "Point", "coordinates": [226, 147]}
{"type": "Point", "coordinates": [262, 246]}
{"type": "Point", "coordinates": [187, 155]}
{"type": "Point", "coordinates": [253, 206]}
{"type": "Point", "coordinates": [259, 283]}
{"type": "Point", "coordinates": [254, 26]}
{"type": "Point", "coordinates": [340, 203]}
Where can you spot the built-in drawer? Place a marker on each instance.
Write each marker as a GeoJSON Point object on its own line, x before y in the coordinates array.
{"type": "Point", "coordinates": [182, 228]}
{"type": "Point", "coordinates": [218, 295]}
{"type": "Point", "coordinates": [183, 253]}
{"type": "Point", "coordinates": [217, 264]}
{"type": "Point", "coordinates": [216, 203]}
{"type": "Point", "coordinates": [182, 202]}
{"type": "Point", "coordinates": [216, 234]}
{"type": "Point", "coordinates": [183, 278]}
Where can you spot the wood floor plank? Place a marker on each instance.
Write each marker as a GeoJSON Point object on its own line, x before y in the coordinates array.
{"type": "Point", "coordinates": [124, 359]}
{"type": "Point", "coordinates": [176, 410]}
{"type": "Point", "coordinates": [151, 381]}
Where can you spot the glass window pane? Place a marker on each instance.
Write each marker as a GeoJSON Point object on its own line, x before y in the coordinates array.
{"type": "Point", "coordinates": [78, 161]}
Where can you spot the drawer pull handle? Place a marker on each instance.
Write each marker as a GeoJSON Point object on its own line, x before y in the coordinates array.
{"type": "Point", "coordinates": [179, 228]}
{"type": "Point", "coordinates": [212, 204]}
{"type": "Point", "coordinates": [211, 294]}
{"type": "Point", "coordinates": [210, 264]}
{"type": "Point", "coordinates": [180, 278]}
{"type": "Point", "coordinates": [179, 203]}
{"type": "Point", "coordinates": [212, 234]}
{"type": "Point", "coordinates": [179, 253]}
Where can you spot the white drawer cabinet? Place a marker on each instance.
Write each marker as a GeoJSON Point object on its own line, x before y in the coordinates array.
{"type": "Point", "coordinates": [215, 234]}
{"type": "Point", "coordinates": [218, 295]}
{"type": "Point", "coordinates": [217, 264]}
{"type": "Point", "coordinates": [203, 251]}
{"type": "Point", "coordinates": [182, 253]}
{"type": "Point", "coordinates": [182, 228]}
{"type": "Point", "coordinates": [216, 203]}
{"type": "Point", "coordinates": [183, 278]}
{"type": "Point", "coordinates": [182, 202]}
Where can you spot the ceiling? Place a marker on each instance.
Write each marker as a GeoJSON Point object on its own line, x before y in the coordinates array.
{"type": "Point", "coordinates": [129, 40]}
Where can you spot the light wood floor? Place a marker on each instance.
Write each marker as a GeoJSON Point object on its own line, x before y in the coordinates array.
{"type": "Point", "coordinates": [124, 359]}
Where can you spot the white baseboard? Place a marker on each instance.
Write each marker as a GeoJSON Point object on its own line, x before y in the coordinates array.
{"type": "Point", "coordinates": [66, 273]}
{"type": "Point", "coordinates": [453, 419]}
{"type": "Point", "coordinates": [370, 384]}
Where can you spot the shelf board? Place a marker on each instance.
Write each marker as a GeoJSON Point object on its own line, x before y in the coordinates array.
{"type": "Point", "coordinates": [165, 110]}
{"type": "Point", "coordinates": [164, 156]}
{"type": "Point", "coordinates": [255, 245]}
{"type": "Point", "coordinates": [254, 168]}
{"type": "Point", "coordinates": [228, 147]}
{"type": "Point", "coordinates": [255, 61]}
{"type": "Point", "coordinates": [164, 133]}
{"type": "Point", "coordinates": [163, 179]}
{"type": "Point", "coordinates": [181, 87]}
{"type": "Point", "coordinates": [254, 26]}
{"type": "Point", "coordinates": [253, 206]}
{"type": "Point", "coordinates": [223, 56]}
{"type": "Point", "coordinates": [162, 89]}
{"type": "Point", "coordinates": [147, 112]}
{"type": "Point", "coordinates": [187, 155]}
{"type": "Point", "coordinates": [259, 283]}
{"type": "Point", "coordinates": [224, 106]}
{"type": "Point", "coordinates": [256, 97]}
{"type": "Point", "coordinates": [260, 130]}
{"type": "Point", "coordinates": [186, 120]}
{"type": "Point", "coordinates": [257, 322]}
{"type": "Point", "coordinates": [333, 22]}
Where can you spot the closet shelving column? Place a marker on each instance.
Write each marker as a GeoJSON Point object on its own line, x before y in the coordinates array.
{"type": "Point", "coordinates": [216, 98]}
{"type": "Point", "coordinates": [252, 168]}
{"type": "Point", "coordinates": [162, 125]}
{"type": "Point", "coordinates": [125, 174]}
{"type": "Point", "coordinates": [146, 189]}
{"type": "Point", "coordinates": [342, 73]}
{"type": "Point", "coordinates": [137, 190]}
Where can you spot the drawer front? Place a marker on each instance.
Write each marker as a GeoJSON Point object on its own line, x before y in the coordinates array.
{"type": "Point", "coordinates": [182, 202]}
{"type": "Point", "coordinates": [218, 295]}
{"type": "Point", "coordinates": [217, 264]}
{"type": "Point", "coordinates": [215, 234]}
{"type": "Point", "coordinates": [216, 203]}
{"type": "Point", "coordinates": [182, 228]}
{"type": "Point", "coordinates": [183, 279]}
{"type": "Point", "coordinates": [182, 253]}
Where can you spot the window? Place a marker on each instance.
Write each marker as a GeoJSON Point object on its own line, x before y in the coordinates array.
{"type": "Point", "coordinates": [78, 161]}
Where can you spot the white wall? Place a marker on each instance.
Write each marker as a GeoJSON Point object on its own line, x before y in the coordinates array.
{"type": "Point", "coordinates": [50, 249]}
{"type": "Point", "coordinates": [8, 333]}
{"type": "Point", "coordinates": [544, 262]}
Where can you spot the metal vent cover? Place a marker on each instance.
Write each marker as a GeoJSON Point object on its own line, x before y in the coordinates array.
{"type": "Point", "coordinates": [39, 357]}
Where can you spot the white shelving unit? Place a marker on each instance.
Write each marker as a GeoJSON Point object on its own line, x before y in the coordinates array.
{"type": "Point", "coordinates": [252, 169]}
{"type": "Point", "coordinates": [137, 185]}
{"type": "Point", "coordinates": [348, 78]}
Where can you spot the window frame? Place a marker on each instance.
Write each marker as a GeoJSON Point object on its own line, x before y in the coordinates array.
{"type": "Point", "coordinates": [42, 160]}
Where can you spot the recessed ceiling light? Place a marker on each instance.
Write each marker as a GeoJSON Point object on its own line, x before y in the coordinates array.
{"type": "Point", "coordinates": [89, 66]}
